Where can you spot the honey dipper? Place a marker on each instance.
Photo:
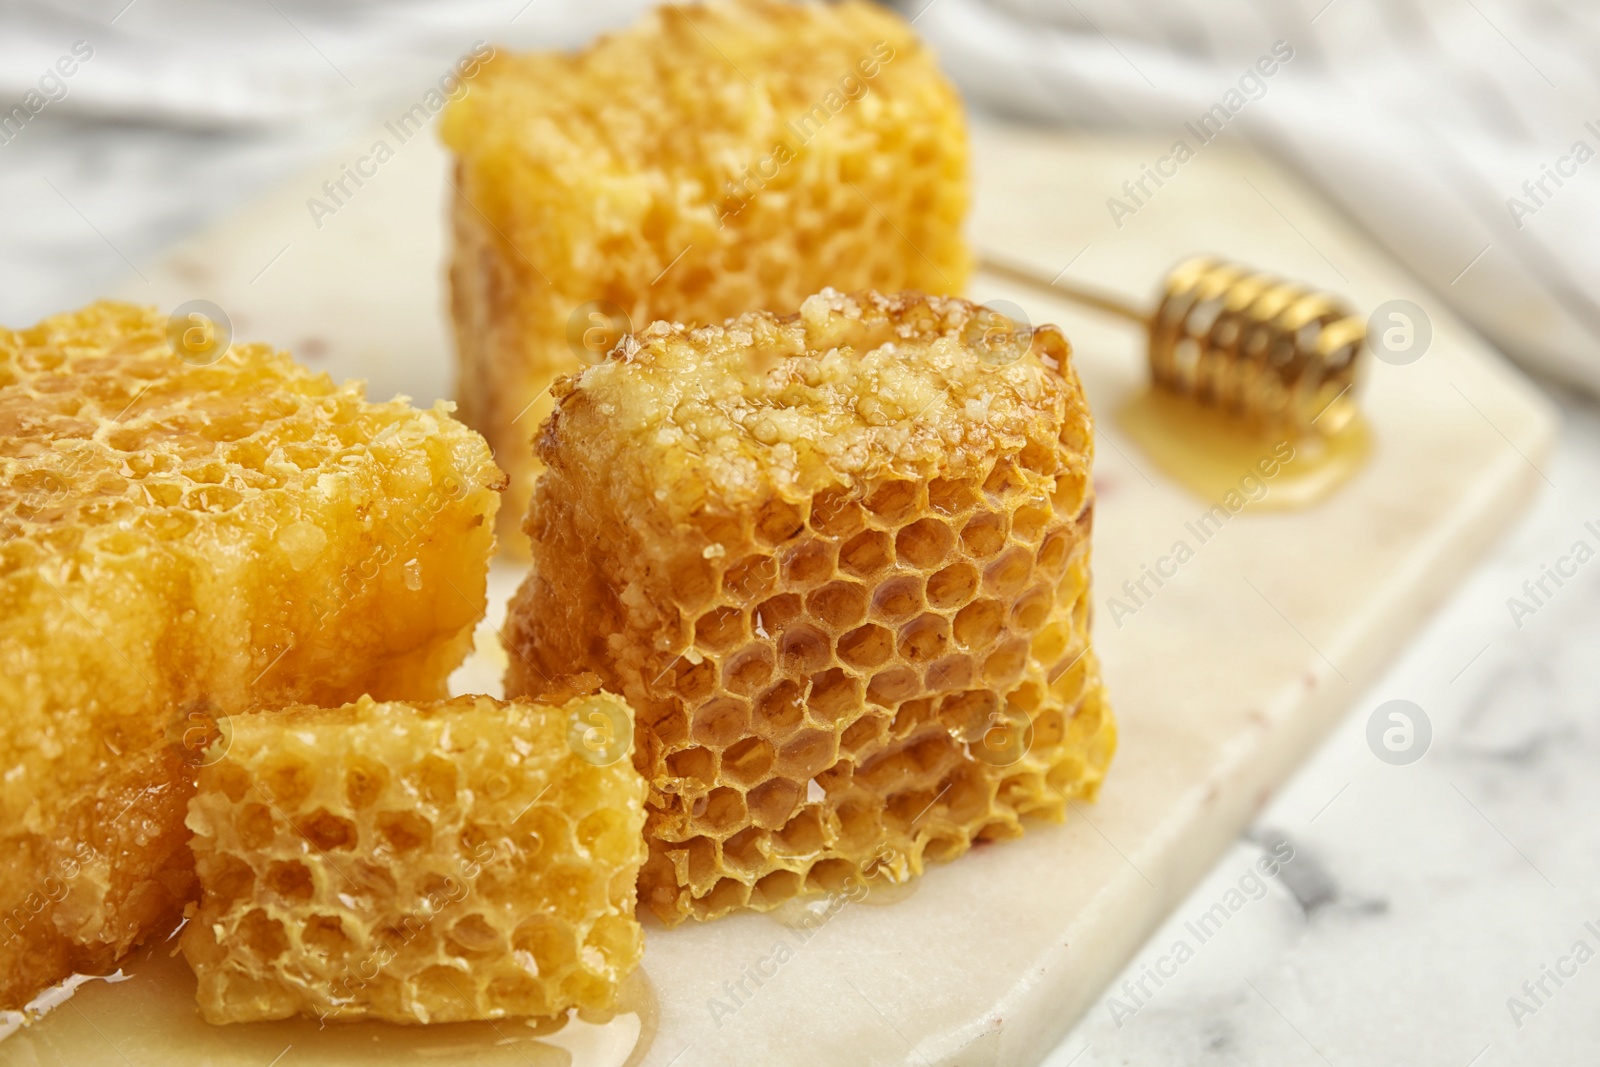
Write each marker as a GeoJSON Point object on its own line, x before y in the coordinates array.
{"type": "Point", "coordinates": [1248, 343]}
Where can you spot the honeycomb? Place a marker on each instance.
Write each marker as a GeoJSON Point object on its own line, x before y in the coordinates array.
{"type": "Point", "coordinates": [181, 541]}
{"type": "Point", "coordinates": [713, 159]}
{"type": "Point", "coordinates": [437, 862]}
{"type": "Point", "coordinates": [838, 563]}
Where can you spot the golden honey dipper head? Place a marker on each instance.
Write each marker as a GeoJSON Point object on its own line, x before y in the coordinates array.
{"type": "Point", "coordinates": [1273, 351]}
{"type": "Point", "coordinates": [838, 563]}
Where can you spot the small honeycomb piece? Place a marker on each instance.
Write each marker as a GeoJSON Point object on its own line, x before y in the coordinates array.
{"type": "Point", "coordinates": [180, 540]}
{"type": "Point", "coordinates": [438, 862]}
{"type": "Point", "coordinates": [838, 562]}
{"type": "Point", "coordinates": [713, 159]}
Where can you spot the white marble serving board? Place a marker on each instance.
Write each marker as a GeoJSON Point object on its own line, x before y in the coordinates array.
{"type": "Point", "coordinates": [1222, 682]}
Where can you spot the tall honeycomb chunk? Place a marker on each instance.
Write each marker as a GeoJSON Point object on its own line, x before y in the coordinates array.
{"type": "Point", "coordinates": [180, 541]}
{"type": "Point", "coordinates": [838, 562]}
{"type": "Point", "coordinates": [713, 159]}
{"type": "Point", "coordinates": [437, 862]}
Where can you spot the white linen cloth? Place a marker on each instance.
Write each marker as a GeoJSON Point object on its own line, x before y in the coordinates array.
{"type": "Point", "coordinates": [1463, 134]}
{"type": "Point", "coordinates": [203, 63]}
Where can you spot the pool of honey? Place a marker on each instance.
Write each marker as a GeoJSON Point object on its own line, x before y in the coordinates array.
{"type": "Point", "coordinates": [146, 1015]}
{"type": "Point", "coordinates": [1212, 453]}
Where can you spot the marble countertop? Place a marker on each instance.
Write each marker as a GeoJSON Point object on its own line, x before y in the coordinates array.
{"type": "Point", "coordinates": [1438, 911]}
{"type": "Point", "coordinates": [1435, 912]}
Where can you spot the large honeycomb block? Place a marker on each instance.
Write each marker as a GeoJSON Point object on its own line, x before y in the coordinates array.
{"type": "Point", "coordinates": [712, 160]}
{"type": "Point", "coordinates": [178, 542]}
{"type": "Point", "coordinates": [839, 564]}
{"type": "Point", "coordinates": [437, 862]}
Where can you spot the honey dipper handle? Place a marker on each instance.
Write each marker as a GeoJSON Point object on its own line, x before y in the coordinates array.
{"type": "Point", "coordinates": [1087, 295]}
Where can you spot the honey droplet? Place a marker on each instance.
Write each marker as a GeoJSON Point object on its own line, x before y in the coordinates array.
{"type": "Point", "coordinates": [1212, 453]}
